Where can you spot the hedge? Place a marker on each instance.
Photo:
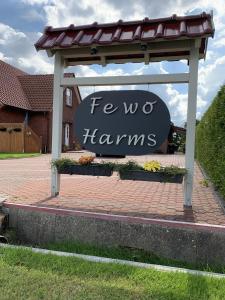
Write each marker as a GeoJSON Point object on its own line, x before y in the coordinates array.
{"type": "Point", "coordinates": [210, 141]}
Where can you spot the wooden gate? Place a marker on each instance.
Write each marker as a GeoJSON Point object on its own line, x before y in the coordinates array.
{"type": "Point", "coordinates": [16, 138]}
{"type": "Point", "coordinates": [32, 142]}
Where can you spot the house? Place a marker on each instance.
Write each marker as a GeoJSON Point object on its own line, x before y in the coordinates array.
{"type": "Point", "coordinates": [26, 102]}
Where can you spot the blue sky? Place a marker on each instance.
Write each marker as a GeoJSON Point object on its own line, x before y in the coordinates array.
{"type": "Point", "coordinates": [23, 21]}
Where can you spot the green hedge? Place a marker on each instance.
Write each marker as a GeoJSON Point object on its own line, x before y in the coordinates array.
{"type": "Point", "coordinates": [210, 141]}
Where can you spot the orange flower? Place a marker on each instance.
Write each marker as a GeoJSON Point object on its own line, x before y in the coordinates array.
{"type": "Point", "coordinates": [86, 160]}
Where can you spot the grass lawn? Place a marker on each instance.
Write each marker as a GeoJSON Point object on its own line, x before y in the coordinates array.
{"type": "Point", "coordinates": [130, 254]}
{"type": "Point", "coordinates": [27, 275]}
{"type": "Point", "coordinates": [17, 155]}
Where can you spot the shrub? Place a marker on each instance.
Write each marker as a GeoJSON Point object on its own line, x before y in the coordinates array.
{"type": "Point", "coordinates": [210, 141]}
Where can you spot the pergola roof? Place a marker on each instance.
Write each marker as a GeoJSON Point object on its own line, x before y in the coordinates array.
{"type": "Point", "coordinates": [145, 40]}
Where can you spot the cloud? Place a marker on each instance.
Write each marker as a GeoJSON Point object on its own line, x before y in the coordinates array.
{"type": "Point", "coordinates": [7, 34]}
{"type": "Point", "coordinates": [65, 12]}
{"type": "Point", "coordinates": [86, 71]}
{"type": "Point", "coordinates": [211, 76]}
{"type": "Point", "coordinates": [33, 15]}
{"type": "Point", "coordinates": [17, 48]}
{"type": "Point", "coordinates": [37, 64]}
{"type": "Point", "coordinates": [38, 2]}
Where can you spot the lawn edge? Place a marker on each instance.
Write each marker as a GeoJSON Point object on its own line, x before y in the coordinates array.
{"type": "Point", "coordinates": [99, 259]}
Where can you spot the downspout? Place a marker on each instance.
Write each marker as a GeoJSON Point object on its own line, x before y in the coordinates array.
{"type": "Point", "coordinates": [26, 118]}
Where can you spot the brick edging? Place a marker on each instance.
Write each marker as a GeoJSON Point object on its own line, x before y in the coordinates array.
{"type": "Point", "coordinates": [122, 218]}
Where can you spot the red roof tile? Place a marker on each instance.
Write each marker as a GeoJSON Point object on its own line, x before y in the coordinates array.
{"type": "Point", "coordinates": [39, 90]}
{"type": "Point", "coordinates": [29, 92]}
{"type": "Point", "coordinates": [11, 92]}
{"type": "Point", "coordinates": [122, 32]}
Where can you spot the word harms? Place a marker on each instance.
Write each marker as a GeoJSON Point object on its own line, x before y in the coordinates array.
{"type": "Point", "coordinates": [132, 139]}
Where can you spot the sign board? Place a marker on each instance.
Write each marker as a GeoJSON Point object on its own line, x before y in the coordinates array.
{"type": "Point", "coordinates": [122, 122]}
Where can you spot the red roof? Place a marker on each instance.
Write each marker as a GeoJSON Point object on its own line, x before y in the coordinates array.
{"type": "Point", "coordinates": [39, 90]}
{"type": "Point", "coordinates": [11, 92]}
{"type": "Point", "coordinates": [29, 92]}
{"type": "Point", "coordinates": [172, 28]}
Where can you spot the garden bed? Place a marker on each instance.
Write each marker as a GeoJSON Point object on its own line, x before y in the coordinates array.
{"type": "Point", "coordinates": [143, 175]}
{"type": "Point", "coordinates": [92, 169]}
{"type": "Point", "coordinates": [151, 171]}
{"type": "Point", "coordinates": [84, 166]}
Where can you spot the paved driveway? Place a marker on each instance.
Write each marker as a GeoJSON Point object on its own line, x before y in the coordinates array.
{"type": "Point", "coordinates": [27, 181]}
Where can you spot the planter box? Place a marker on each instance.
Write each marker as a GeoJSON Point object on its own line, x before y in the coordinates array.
{"type": "Point", "coordinates": [151, 176]}
{"type": "Point", "coordinates": [94, 170]}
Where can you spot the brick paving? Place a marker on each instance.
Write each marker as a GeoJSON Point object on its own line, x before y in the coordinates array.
{"type": "Point", "coordinates": [27, 181]}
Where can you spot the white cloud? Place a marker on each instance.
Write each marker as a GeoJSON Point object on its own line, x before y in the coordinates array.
{"type": "Point", "coordinates": [37, 64]}
{"type": "Point", "coordinates": [86, 71]}
{"type": "Point", "coordinates": [17, 48]}
{"type": "Point", "coordinates": [39, 2]}
{"type": "Point", "coordinates": [33, 15]}
{"type": "Point", "coordinates": [211, 76]}
{"type": "Point", "coordinates": [7, 34]}
{"type": "Point", "coordinates": [219, 43]}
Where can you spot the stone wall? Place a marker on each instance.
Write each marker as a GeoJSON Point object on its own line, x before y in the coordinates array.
{"type": "Point", "coordinates": [176, 240]}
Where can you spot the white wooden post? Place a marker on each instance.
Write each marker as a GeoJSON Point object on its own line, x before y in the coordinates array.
{"type": "Point", "coordinates": [191, 123]}
{"type": "Point", "coordinates": [57, 121]}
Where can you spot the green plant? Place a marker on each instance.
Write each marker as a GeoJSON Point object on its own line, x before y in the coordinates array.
{"type": "Point", "coordinates": [129, 166]}
{"type": "Point", "coordinates": [173, 170]}
{"type": "Point", "coordinates": [109, 164]}
{"type": "Point", "coordinates": [210, 141]}
{"type": "Point", "coordinates": [63, 163]}
{"type": "Point", "coordinates": [152, 166]}
{"type": "Point", "coordinates": [65, 148]}
{"type": "Point", "coordinates": [204, 182]}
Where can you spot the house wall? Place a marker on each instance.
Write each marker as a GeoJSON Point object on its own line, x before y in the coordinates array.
{"type": "Point", "coordinates": [41, 122]}
{"type": "Point", "coordinates": [38, 121]}
{"type": "Point", "coordinates": [163, 147]}
{"type": "Point", "coordinates": [10, 114]}
{"type": "Point", "coordinates": [68, 117]}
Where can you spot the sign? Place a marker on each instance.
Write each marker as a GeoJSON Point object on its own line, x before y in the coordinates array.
{"type": "Point", "coordinates": [122, 122]}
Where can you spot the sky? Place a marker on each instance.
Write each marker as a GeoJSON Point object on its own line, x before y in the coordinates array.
{"type": "Point", "coordinates": [22, 23]}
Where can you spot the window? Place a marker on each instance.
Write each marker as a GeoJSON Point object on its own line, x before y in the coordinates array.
{"type": "Point", "coordinates": [17, 129]}
{"type": "Point", "coordinates": [69, 97]}
{"type": "Point", "coordinates": [67, 134]}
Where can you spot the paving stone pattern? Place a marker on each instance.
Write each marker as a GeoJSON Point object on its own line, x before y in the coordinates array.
{"type": "Point", "coordinates": [27, 181]}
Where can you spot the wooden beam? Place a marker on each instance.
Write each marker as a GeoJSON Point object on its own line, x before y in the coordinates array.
{"type": "Point", "coordinates": [57, 122]}
{"type": "Point", "coordinates": [126, 80]}
{"type": "Point", "coordinates": [191, 124]}
{"type": "Point", "coordinates": [127, 60]}
{"type": "Point", "coordinates": [131, 48]}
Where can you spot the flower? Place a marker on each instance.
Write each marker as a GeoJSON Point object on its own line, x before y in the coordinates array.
{"type": "Point", "coordinates": [152, 166]}
{"type": "Point", "coordinates": [86, 160]}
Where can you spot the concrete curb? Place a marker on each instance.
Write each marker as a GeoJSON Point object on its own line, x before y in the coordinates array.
{"type": "Point", "coordinates": [118, 261]}
{"type": "Point", "coordinates": [113, 217]}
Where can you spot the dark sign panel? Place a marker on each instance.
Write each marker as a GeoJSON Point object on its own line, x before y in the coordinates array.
{"type": "Point", "coordinates": [122, 122]}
